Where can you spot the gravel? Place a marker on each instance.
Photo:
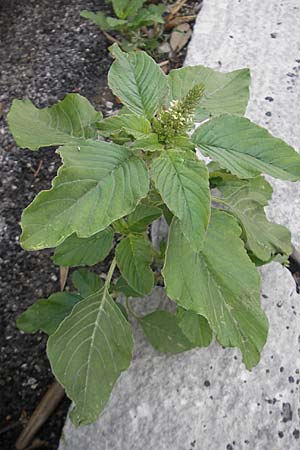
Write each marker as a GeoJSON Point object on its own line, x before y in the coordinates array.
{"type": "Point", "coordinates": [46, 51]}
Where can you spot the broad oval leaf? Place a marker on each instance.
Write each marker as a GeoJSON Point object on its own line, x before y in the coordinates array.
{"type": "Point", "coordinates": [86, 282]}
{"type": "Point", "coordinates": [136, 126]}
{"type": "Point", "coordinates": [224, 92]}
{"type": "Point", "coordinates": [47, 314]}
{"type": "Point", "coordinates": [182, 181]}
{"type": "Point", "coordinates": [164, 333]}
{"type": "Point", "coordinates": [67, 121]}
{"type": "Point", "coordinates": [149, 143]}
{"type": "Point", "coordinates": [75, 251]}
{"type": "Point", "coordinates": [134, 256]}
{"type": "Point", "coordinates": [195, 327]}
{"type": "Point", "coordinates": [246, 200]}
{"type": "Point", "coordinates": [138, 81]}
{"type": "Point", "coordinates": [88, 352]}
{"type": "Point", "coordinates": [142, 216]}
{"type": "Point", "coordinates": [98, 184]}
{"type": "Point", "coordinates": [123, 287]}
{"type": "Point", "coordinates": [220, 283]}
{"type": "Point", "coordinates": [104, 22]}
{"type": "Point", "coordinates": [246, 149]}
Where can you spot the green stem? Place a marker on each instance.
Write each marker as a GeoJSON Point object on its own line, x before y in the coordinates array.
{"type": "Point", "coordinates": [130, 309]}
{"type": "Point", "coordinates": [219, 200]}
{"type": "Point", "coordinates": [110, 273]}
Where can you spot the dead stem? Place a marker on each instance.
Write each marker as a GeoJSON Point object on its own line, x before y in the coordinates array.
{"type": "Point", "coordinates": [178, 20]}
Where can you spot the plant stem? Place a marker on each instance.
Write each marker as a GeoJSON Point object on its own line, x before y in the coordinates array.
{"type": "Point", "coordinates": [178, 20]}
{"type": "Point", "coordinates": [111, 38]}
{"type": "Point", "coordinates": [110, 273]}
{"type": "Point", "coordinates": [219, 200]}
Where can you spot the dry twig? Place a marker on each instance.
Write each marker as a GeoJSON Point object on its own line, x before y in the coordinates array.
{"type": "Point", "coordinates": [64, 271]}
{"type": "Point", "coordinates": [43, 411]}
{"type": "Point", "coordinates": [178, 20]}
{"type": "Point", "coordinates": [110, 37]}
{"type": "Point", "coordinates": [176, 8]}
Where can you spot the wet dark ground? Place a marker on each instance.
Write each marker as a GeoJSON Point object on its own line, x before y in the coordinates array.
{"type": "Point", "coordinates": [46, 50]}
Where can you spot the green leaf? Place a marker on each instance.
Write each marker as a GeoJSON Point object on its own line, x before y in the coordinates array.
{"type": "Point", "coordinates": [120, 226]}
{"type": "Point", "coordinates": [123, 287]}
{"type": "Point", "coordinates": [148, 143]}
{"type": "Point", "coordinates": [126, 8]}
{"type": "Point", "coordinates": [246, 200]}
{"type": "Point", "coordinates": [98, 183]}
{"type": "Point", "coordinates": [219, 283]}
{"type": "Point", "coordinates": [182, 181]}
{"type": "Point", "coordinates": [68, 121]}
{"type": "Point", "coordinates": [164, 333]}
{"type": "Point", "coordinates": [86, 282]}
{"type": "Point", "coordinates": [167, 214]}
{"type": "Point", "coordinates": [224, 92]}
{"type": "Point", "coordinates": [84, 252]}
{"type": "Point", "coordinates": [138, 81]}
{"type": "Point", "coordinates": [104, 22]}
{"type": "Point", "coordinates": [88, 352]}
{"type": "Point", "coordinates": [142, 216]}
{"type": "Point", "coordinates": [123, 310]}
{"type": "Point", "coordinates": [134, 256]}
{"type": "Point", "coordinates": [182, 143]}
{"type": "Point", "coordinates": [136, 126]}
{"type": "Point", "coordinates": [246, 149]}
{"type": "Point", "coordinates": [194, 327]}
{"type": "Point", "coordinates": [47, 314]}
{"type": "Point", "coordinates": [147, 17]}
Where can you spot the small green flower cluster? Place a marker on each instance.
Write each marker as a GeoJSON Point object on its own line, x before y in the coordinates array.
{"type": "Point", "coordinates": [178, 119]}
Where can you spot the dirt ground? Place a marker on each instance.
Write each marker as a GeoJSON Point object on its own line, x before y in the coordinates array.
{"type": "Point", "coordinates": [46, 51]}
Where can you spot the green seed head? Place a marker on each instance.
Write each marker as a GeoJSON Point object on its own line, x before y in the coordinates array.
{"type": "Point", "coordinates": [178, 118]}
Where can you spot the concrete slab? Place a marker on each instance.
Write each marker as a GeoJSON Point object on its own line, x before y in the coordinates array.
{"type": "Point", "coordinates": [264, 36]}
{"type": "Point", "coordinates": [205, 399]}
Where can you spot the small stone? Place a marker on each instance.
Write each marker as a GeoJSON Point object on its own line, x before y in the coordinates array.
{"type": "Point", "coordinates": [109, 105]}
{"type": "Point", "coordinates": [31, 381]}
{"type": "Point", "coordinates": [287, 413]}
{"type": "Point", "coordinates": [296, 434]}
{"type": "Point", "coordinates": [164, 48]}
